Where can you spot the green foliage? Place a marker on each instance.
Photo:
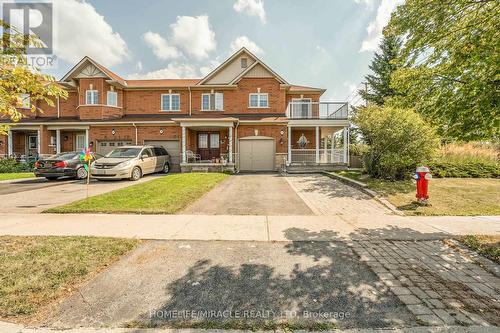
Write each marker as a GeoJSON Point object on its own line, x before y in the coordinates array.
{"type": "Point", "coordinates": [476, 169]}
{"type": "Point", "coordinates": [382, 66]}
{"type": "Point", "coordinates": [17, 78]}
{"type": "Point", "coordinates": [451, 56]}
{"type": "Point", "coordinates": [398, 141]}
{"type": "Point", "coordinates": [8, 165]}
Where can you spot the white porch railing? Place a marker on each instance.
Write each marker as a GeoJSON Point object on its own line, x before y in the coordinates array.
{"type": "Point", "coordinates": [317, 110]}
{"type": "Point", "coordinates": [308, 156]}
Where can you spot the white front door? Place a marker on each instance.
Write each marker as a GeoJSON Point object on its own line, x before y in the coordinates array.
{"type": "Point", "coordinates": [80, 142]}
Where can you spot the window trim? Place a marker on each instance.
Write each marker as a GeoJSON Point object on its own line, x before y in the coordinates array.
{"type": "Point", "coordinates": [107, 98]}
{"type": "Point", "coordinates": [210, 101]}
{"type": "Point", "coordinates": [169, 103]}
{"type": "Point", "coordinates": [86, 96]}
{"type": "Point", "coordinates": [258, 101]}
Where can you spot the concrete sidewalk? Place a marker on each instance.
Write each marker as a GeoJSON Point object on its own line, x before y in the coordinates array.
{"type": "Point", "coordinates": [246, 227]}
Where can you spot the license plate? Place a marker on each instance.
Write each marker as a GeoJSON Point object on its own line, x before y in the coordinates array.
{"type": "Point", "coordinates": [98, 172]}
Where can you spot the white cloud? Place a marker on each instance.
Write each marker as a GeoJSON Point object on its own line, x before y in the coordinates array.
{"type": "Point", "coordinates": [194, 35]}
{"type": "Point", "coordinates": [244, 41]}
{"type": "Point", "coordinates": [81, 31]}
{"type": "Point", "coordinates": [374, 29]}
{"type": "Point", "coordinates": [367, 3]}
{"type": "Point", "coordinates": [252, 8]}
{"type": "Point", "coordinates": [160, 46]}
{"type": "Point", "coordinates": [174, 70]}
{"type": "Point", "coordinates": [139, 66]}
{"type": "Point", "coordinates": [204, 70]}
{"type": "Point", "coordinates": [321, 49]}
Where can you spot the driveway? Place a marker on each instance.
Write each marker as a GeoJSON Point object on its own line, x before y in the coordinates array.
{"type": "Point", "coordinates": [251, 194]}
{"type": "Point", "coordinates": [36, 195]}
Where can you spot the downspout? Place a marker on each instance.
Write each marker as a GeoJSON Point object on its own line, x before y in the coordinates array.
{"type": "Point", "coordinates": [189, 88]}
{"type": "Point", "coordinates": [133, 124]}
{"type": "Point", "coordinates": [236, 146]}
{"type": "Point", "coordinates": [58, 113]}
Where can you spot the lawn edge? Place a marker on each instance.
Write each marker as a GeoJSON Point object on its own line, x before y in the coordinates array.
{"type": "Point", "coordinates": [364, 188]}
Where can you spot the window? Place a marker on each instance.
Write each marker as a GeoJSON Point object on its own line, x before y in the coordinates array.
{"type": "Point", "coordinates": [91, 97]}
{"type": "Point", "coordinates": [170, 102]}
{"type": "Point", "coordinates": [244, 63]}
{"type": "Point", "coordinates": [32, 142]}
{"type": "Point", "coordinates": [202, 140]}
{"type": "Point", "coordinates": [212, 102]}
{"type": "Point", "coordinates": [25, 101]}
{"type": "Point", "coordinates": [160, 151]}
{"type": "Point", "coordinates": [112, 98]}
{"type": "Point", "coordinates": [258, 100]}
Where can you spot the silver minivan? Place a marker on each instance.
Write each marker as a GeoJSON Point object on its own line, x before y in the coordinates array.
{"type": "Point", "coordinates": [131, 162]}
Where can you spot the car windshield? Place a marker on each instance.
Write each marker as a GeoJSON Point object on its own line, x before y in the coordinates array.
{"type": "Point", "coordinates": [63, 156]}
{"type": "Point", "coordinates": [124, 152]}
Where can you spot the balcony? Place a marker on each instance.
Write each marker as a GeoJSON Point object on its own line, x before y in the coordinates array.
{"type": "Point", "coordinates": [317, 110]}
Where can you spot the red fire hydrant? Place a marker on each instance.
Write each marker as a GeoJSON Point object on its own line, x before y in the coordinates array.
{"type": "Point", "coordinates": [422, 176]}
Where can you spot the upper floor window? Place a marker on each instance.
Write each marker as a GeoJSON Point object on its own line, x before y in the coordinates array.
{"type": "Point", "coordinates": [258, 100]}
{"type": "Point", "coordinates": [112, 98]}
{"type": "Point", "coordinates": [170, 102]}
{"type": "Point", "coordinates": [91, 97]}
{"type": "Point", "coordinates": [25, 101]}
{"type": "Point", "coordinates": [244, 63]}
{"type": "Point", "coordinates": [212, 102]}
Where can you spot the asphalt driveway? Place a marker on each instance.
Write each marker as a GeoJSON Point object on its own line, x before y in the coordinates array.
{"type": "Point", "coordinates": [251, 194]}
{"type": "Point", "coordinates": [167, 282]}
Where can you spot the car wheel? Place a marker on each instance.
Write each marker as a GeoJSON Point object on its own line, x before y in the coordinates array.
{"type": "Point", "coordinates": [166, 168]}
{"type": "Point", "coordinates": [81, 173]}
{"type": "Point", "coordinates": [51, 178]}
{"type": "Point", "coordinates": [136, 174]}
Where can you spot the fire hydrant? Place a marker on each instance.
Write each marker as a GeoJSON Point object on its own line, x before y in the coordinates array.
{"type": "Point", "coordinates": [422, 176]}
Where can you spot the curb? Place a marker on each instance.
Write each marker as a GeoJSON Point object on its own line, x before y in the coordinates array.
{"type": "Point", "coordinates": [364, 188]}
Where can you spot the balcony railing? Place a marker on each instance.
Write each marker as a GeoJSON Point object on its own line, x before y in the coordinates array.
{"type": "Point", "coordinates": [317, 110]}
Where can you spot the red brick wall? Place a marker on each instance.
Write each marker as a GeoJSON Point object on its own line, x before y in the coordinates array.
{"type": "Point", "coordinates": [3, 144]}
{"type": "Point", "coordinates": [310, 135]}
{"type": "Point", "coordinates": [104, 133]}
{"type": "Point", "coordinates": [149, 101]}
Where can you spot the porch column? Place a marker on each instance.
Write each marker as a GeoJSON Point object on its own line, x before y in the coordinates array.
{"type": "Point", "coordinates": [332, 147]}
{"type": "Point", "coordinates": [289, 144]}
{"type": "Point", "coordinates": [87, 138]}
{"type": "Point", "coordinates": [38, 141]}
{"type": "Point", "coordinates": [10, 149]}
{"type": "Point", "coordinates": [183, 138]}
{"type": "Point", "coordinates": [58, 141]}
{"type": "Point", "coordinates": [317, 144]}
{"type": "Point", "coordinates": [230, 141]}
{"type": "Point", "coordinates": [325, 158]}
{"type": "Point", "coordinates": [346, 144]}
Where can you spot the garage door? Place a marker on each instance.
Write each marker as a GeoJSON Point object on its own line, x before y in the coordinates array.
{"type": "Point", "coordinates": [256, 154]}
{"type": "Point", "coordinates": [104, 147]}
{"type": "Point", "coordinates": [173, 148]}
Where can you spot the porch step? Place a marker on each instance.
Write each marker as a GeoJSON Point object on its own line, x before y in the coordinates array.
{"type": "Point", "coordinates": [313, 168]}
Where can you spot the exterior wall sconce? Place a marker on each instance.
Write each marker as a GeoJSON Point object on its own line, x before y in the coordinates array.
{"type": "Point", "coordinates": [281, 141]}
{"type": "Point", "coordinates": [282, 132]}
{"type": "Point", "coordinates": [256, 132]}
{"type": "Point", "coordinates": [161, 130]}
{"type": "Point", "coordinates": [66, 138]}
{"type": "Point", "coordinates": [91, 144]}
{"type": "Point", "coordinates": [113, 131]}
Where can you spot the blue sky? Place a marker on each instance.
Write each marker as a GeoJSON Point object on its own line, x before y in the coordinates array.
{"type": "Point", "coordinates": [322, 43]}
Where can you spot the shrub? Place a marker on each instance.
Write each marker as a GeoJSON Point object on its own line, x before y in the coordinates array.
{"type": "Point", "coordinates": [8, 165]}
{"type": "Point", "coordinates": [398, 139]}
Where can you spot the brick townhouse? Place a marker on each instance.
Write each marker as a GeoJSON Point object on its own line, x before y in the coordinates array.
{"type": "Point", "coordinates": [241, 116]}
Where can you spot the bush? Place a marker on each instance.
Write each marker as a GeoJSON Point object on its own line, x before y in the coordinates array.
{"type": "Point", "coordinates": [476, 169]}
{"type": "Point", "coordinates": [398, 140]}
{"type": "Point", "coordinates": [9, 165]}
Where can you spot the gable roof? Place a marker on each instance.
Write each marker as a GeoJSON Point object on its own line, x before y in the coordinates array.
{"type": "Point", "coordinates": [233, 57]}
{"type": "Point", "coordinates": [86, 60]}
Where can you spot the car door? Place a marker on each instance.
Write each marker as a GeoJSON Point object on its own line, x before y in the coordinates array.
{"type": "Point", "coordinates": [160, 158]}
{"type": "Point", "coordinates": [148, 161]}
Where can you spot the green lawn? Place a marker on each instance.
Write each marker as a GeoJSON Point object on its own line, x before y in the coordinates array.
{"type": "Point", "coordinates": [488, 246]}
{"type": "Point", "coordinates": [16, 175]}
{"type": "Point", "coordinates": [447, 196]}
{"type": "Point", "coordinates": [36, 271]}
{"type": "Point", "coordinates": [166, 195]}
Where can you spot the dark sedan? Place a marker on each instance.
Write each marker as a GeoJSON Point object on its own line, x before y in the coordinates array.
{"type": "Point", "coordinates": [62, 165]}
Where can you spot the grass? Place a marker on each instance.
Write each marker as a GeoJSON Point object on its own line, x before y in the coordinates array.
{"type": "Point", "coordinates": [447, 196]}
{"type": "Point", "coordinates": [16, 175]}
{"type": "Point", "coordinates": [36, 271]}
{"type": "Point", "coordinates": [166, 195]}
{"type": "Point", "coordinates": [488, 246]}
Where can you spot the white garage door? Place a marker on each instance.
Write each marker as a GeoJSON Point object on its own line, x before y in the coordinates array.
{"type": "Point", "coordinates": [173, 148]}
{"type": "Point", "coordinates": [257, 154]}
{"type": "Point", "coordinates": [104, 147]}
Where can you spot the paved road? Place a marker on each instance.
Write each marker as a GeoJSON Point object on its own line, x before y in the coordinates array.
{"type": "Point", "coordinates": [251, 194]}
{"type": "Point", "coordinates": [277, 279]}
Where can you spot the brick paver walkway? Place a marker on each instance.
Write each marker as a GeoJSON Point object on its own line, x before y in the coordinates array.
{"type": "Point", "coordinates": [326, 196]}
{"type": "Point", "coordinates": [439, 283]}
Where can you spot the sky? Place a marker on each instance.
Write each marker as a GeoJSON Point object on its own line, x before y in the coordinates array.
{"type": "Point", "coordinates": [319, 43]}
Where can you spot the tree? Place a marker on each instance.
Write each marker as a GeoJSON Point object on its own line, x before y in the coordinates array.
{"type": "Point", "coordinates": [398, 139]}
{"type": "Point", "coordinates": [382, 66]}
{"type": "Point", "coordinates": [17, 78]}
{"type": "Point", "coordinates": [451, 55]}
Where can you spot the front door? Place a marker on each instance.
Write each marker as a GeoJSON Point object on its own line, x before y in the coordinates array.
{"type": "Point", "coordinates": [80, 142]}
{"type": "Point", "coordinates": [208, 145]}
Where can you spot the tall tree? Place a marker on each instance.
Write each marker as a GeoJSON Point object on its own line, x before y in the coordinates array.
{"type": "Point", "coordinates": [17, 78]}
{"type": "Point", "coordinates": [383, 65]}
{"type": "Point", "coordinates": [452, 57]}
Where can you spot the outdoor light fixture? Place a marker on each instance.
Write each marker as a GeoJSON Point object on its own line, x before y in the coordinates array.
{"type": "Point", "coordinates": [66, 138]}
{"type": "Point", "coordinates": [282, 132]}
{"type": "Point", "coordinates": [113, 131]}
{"type": "Point", "coordinates": [161, 131]}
